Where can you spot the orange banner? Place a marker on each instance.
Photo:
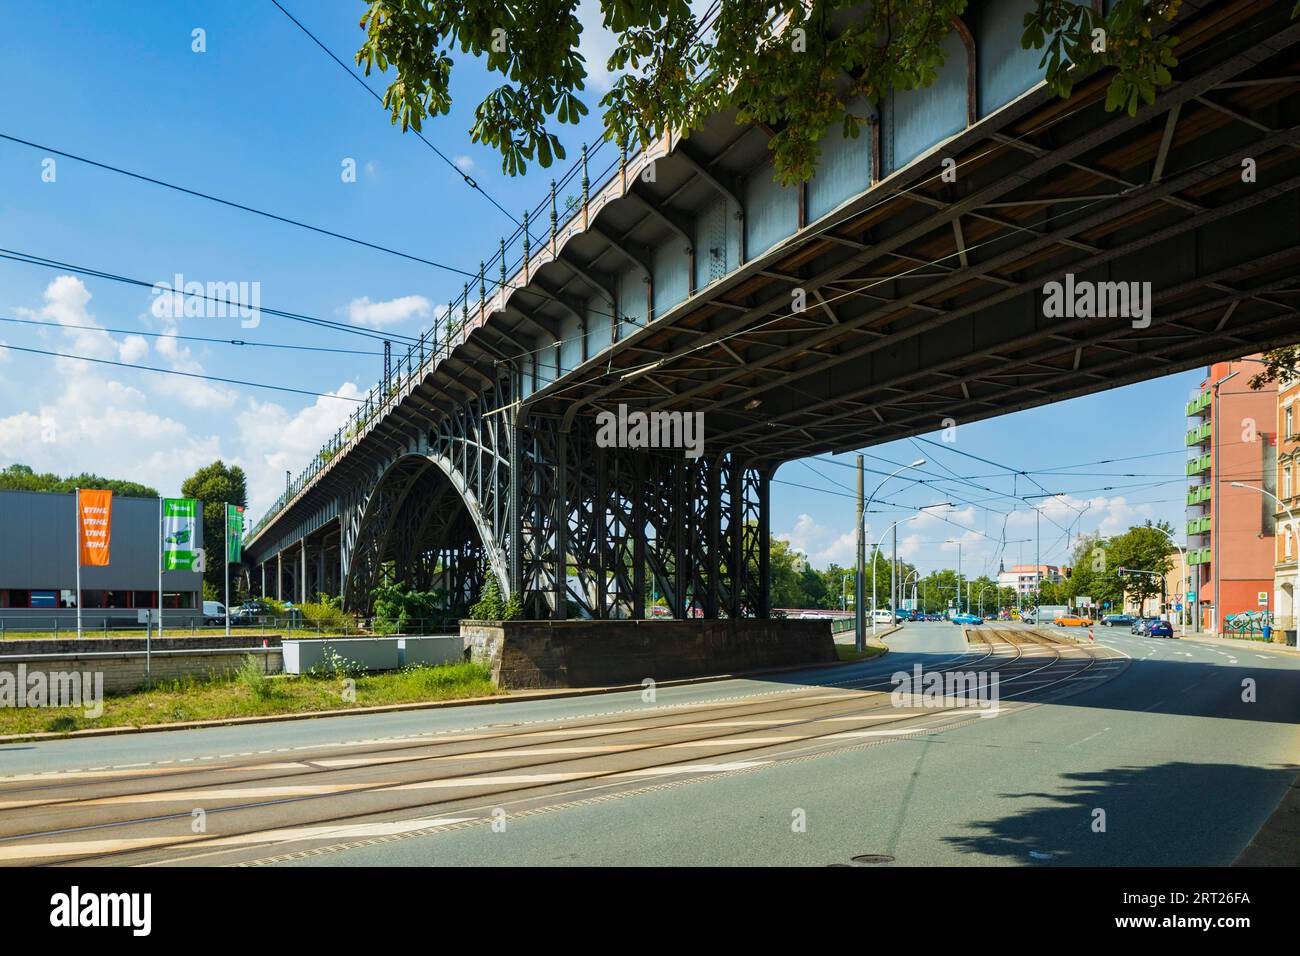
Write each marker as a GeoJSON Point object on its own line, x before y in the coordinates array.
{"type": "Point", "coordinates": [95, 523]}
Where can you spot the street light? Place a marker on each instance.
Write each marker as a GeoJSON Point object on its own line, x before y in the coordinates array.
{"type": "Point", "coordinates": [876, 550]}
{"type": "Point", "coordinates": [1295, 532]}
{"type": "Point", "coordinates": [859, 618]}
{"type": "Point", "coordinates": [1186, 612]}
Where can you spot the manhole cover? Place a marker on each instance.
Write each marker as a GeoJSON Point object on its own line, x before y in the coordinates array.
{"type": "Point", "coordinates": [872, 858]}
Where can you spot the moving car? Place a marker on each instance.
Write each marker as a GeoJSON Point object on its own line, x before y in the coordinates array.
{"type": "Point", "coordinates": [214, 612]}
{"type": "Point", "coordinates": [1117, 620]}
{"type": "Point", "coordinates": [1071, 620]}
{"type": "Point", "coordinates": [1141, 626]}
{"type": "Point", "coordinates": [967, 619]}
{"type": "Point", "coordinates": [1160, 629]}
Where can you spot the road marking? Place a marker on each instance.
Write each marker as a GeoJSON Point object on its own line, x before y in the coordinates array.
{"type": "Point", "coordinates": [693, 768]}
{"type": "Point", "coordinates": [292, 835]}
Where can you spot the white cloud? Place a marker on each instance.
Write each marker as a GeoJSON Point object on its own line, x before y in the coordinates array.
{"type": "Point", "coordinates": [823, 545]}
{"type": "Point", "coordinates": [390, 312]}
{"type": "Point", "coordinates": [192, 392]}
{"type": "Point", "coordinates": [277, 440]}
{"type": "Point", "coordinates": [464, 163]}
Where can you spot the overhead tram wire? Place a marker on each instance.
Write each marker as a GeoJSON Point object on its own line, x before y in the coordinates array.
{"type": "Point", "coordinates": [170, 371]}
{"type": "Point", "coordinates": [230, 203]}
{"type": "Point", "coordinates": [329, 324]}
{"type": "Point", "coordinates": [186, 338]}
{"type": "Point", "coordinates": [469, 180]}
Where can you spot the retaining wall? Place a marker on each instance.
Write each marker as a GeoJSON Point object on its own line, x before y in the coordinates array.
{"type": "Point", "coordinates": [533, 654]}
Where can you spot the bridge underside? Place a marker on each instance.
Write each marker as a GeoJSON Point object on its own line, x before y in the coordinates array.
{"type": "Point", "coordinates": [916, 305]}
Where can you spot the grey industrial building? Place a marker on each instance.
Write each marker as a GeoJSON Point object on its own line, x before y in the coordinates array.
{"type": "Point", "coordinates": [38, 567]}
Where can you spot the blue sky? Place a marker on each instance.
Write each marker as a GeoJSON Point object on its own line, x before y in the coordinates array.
{"type": "Point", "coordinates": [263, 117]}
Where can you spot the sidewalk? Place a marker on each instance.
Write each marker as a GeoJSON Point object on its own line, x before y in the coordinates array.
{"type": "Point", "coordinates": [1238, 643]}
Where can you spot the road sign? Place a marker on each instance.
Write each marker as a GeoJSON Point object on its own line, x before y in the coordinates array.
{"type": "Point", "coordinates": [1263, 599]}
{"type": "Point", "coordinates": [1178, 607]}
{"type": "Point", "coordinates": [1191, 597]}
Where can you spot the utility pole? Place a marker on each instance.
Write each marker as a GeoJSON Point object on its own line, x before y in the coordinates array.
{"type": "Point", "coordinates": [859, 615]}
{"type": "Point", "coordinates": [1038, 560]}
{"type": "Point", "coordinates": [893, 574]}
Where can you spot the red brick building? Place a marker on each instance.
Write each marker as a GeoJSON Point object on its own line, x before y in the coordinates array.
{"type": "Point", "coordinates": [1230, 531]}
{"type": "Point", "coordinates": [1288, 490]}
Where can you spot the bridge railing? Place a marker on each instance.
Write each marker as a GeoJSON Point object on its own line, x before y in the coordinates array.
{"type": "Point", "coordinates": [516, 259]}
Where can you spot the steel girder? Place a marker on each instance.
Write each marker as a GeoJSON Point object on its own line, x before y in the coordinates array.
{"type": "Point", "coordinates": [602, 529]}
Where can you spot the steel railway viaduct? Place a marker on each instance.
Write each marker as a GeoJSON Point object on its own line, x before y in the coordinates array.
{"type": "Point", "coordinates": [674, 282]}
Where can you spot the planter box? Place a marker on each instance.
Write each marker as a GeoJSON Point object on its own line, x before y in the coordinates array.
{"type": "Point", "coordinates": [446, 649]}
{"type": "Point", "coordinates": [372, 653]}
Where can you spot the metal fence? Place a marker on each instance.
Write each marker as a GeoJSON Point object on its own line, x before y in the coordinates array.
{"type": "Point", "coordinates": [260, 627]}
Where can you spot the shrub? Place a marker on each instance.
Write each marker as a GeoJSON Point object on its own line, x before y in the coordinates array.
{"type": "Point", "coordinates": [325, 612]}
{"type": "Point", "coordinates": [399, 611]}
{"type": "Point", "coordinates": [252, 674]}
{"type": "Point", "coordinates": [492, 607]}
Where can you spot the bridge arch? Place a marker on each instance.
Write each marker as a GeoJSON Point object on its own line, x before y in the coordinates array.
{"type": "Point", "coordinates": [423, 525]}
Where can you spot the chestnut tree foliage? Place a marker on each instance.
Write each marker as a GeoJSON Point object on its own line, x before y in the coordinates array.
{"type": "Point", "coordinates": [801, 67]}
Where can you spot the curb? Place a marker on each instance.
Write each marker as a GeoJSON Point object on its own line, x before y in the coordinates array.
{"type": "Point", "coordinates": [1277, 843]}
{"type": "Point", "coordinates": [558, 694]}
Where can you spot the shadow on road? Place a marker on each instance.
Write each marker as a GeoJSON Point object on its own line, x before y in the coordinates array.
{"type": "Point", "coordinates": [1170, 814]}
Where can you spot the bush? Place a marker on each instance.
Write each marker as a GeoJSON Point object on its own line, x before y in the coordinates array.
{"type": "Point", "coordinates": [399, 611]}
{"type": "Point", "coordinates": [492, 607]}
{"type": "Point", "coordinates": [252, 674]}
{"type": "Point", "coordinates": [325, 612]}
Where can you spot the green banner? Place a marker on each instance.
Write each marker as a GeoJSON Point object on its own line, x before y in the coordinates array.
{"type": "Point", "coordinates": [180, 521]}
{"type": "Point", "coordinates": [234, 534]}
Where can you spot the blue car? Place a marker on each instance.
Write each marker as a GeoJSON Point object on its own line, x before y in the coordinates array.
{"type": "Point", "coordinates": [1161, 629]}
{"type": "Point", "coordinates": [967, 619]}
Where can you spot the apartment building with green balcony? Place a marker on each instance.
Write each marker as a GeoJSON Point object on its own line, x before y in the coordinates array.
{"type": "Point", "coordinates": [1229, 530]}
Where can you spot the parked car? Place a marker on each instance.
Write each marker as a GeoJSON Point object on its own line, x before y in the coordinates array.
{"type": "Point", "coordinates": [1071, 620]}
{"type": "Point", "coordinates": [1159, 628]}
{"type": "Point", "coordinates": [967, 619]}
{"type": "Point", "coordinates": [1117, 620]}
{"type": "Point", "coordinates": [214, 612]}
{"type": "Point", "coordinates": [883, 615]}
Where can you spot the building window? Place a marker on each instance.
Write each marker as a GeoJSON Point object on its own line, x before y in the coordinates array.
{"type": "Point", "coordinates": [1290, 421]}
{"type": "Point", "coordinates": [1286, 482]}
{"type": "Point", "coordinates": [44, 599]}
{"type": "Point", "coordinates": [1286, 543]}
{"type": "Point", "coordinates": [144, 598]}
{"type": "Point", "coordinates": [67, 598]}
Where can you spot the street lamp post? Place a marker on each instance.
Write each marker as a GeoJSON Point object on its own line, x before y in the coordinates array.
{"type": "Point", "coordinates": [1185, 579]}
{"type": "Point", "coordinates": [1295, 532]}
{"type": "Point", "coordinates": [876, 550]}
{"type": "Point", "coordinates": [859, 618]}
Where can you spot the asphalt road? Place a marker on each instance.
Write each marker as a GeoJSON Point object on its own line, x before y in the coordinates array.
{"type": "Point", "coordinates": [1126, 751]}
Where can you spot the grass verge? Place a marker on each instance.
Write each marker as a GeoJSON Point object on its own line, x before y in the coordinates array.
{"type": "Point", "coordinates": [848, 653]}
{"type": "Point", "coordinates": [250, 693]}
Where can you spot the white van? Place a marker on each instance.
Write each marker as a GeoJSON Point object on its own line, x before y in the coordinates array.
{"type": "Point", "coordinates": [882, 615]}
{"type": "Point", "coordinates": [214, 612]}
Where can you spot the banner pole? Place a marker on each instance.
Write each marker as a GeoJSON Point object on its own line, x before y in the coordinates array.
{"type": "Point", "coordinates": [76, 505]}
{"type": "Point", "coordinates": [160, 567]}
{"type": "Point", "coordinates": [226, 562]}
